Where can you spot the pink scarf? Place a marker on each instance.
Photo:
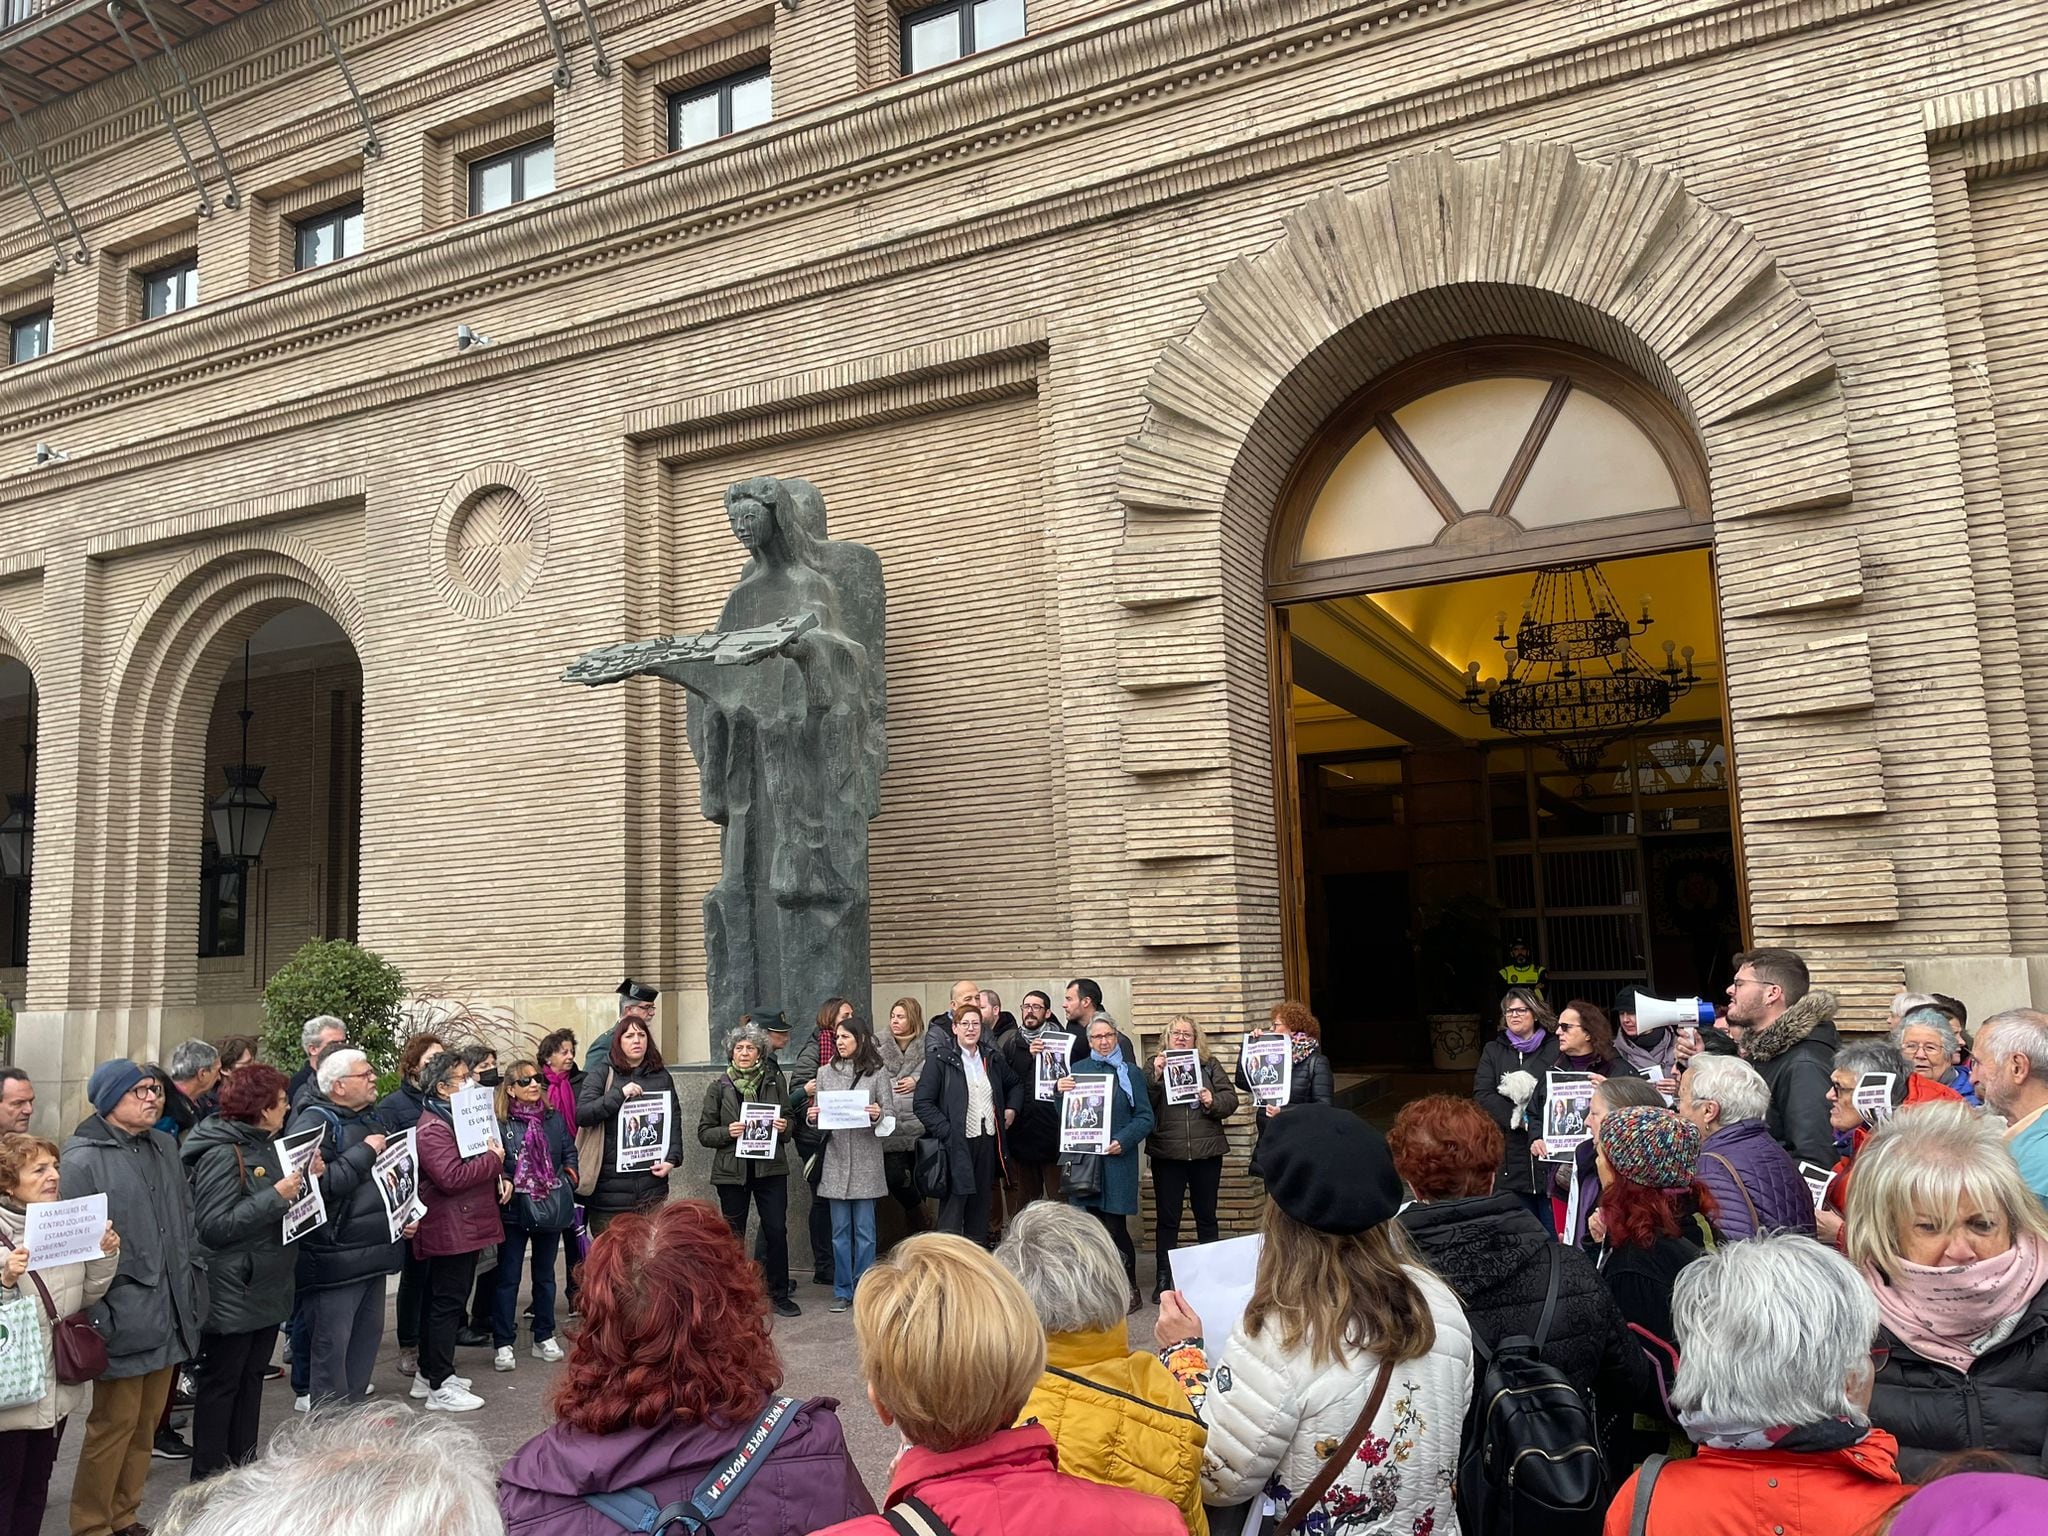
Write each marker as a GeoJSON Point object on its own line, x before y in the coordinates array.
{"type": "Point", "coordinates": [561, 1094]}
{"type": "Point", "coordinates": [1955, 1316]}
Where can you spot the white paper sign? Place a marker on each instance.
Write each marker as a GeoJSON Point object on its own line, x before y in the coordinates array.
{"type": "Point", "coordinates": [1215, 1280]}
{"type": "Point", "coordinates": [643, 1130]}
{"type": "Point", "coordinates": [310, 1209]}
{"type": "Point", "coordinates": [1054, 1052]}
{"type": "Point", "coordinates": [843, 1110]}
{"type": "Point", "coordinates": [1874, 1097]}
{"type": "Point", "coordinates": [1084, 1116]}
{"type": "Point", "coordinates": [758, 1135]}
{"type": "Point", "coordinates": [397, 1172]}
{"type": "Point", "coordinates": [1817, 1181]}
{"type": "Point", "coordinates": [1268, 1066]}
{"type": "Point", "coordinates": [1573, 1196]}
{"type": "Point", "coordinates": [1183, 1077]}
{"type": "Point", "coordinates": [1567, 1100]}
{"type": "Point", "coordinates": [64, 1231]}
{"type": "Point", "coordinates": [475, 1113]}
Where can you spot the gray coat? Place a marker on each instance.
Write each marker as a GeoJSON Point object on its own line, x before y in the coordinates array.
{"type": "Point", "coordinates": [853, 1159]}
{"type": "Point", "coordinates": [902, 1061]}
{"type": "Point", "coordinates": [151, 1315]}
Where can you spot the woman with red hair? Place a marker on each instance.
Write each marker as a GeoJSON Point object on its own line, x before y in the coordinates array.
{"type": "Point", "coordinates": [1649, 1163]}
{"type": "Point", "coordinates": [672, 1371]}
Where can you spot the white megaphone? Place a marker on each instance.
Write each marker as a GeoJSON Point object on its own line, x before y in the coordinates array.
{"type": "Point", "coordinates": [1676, 1013]}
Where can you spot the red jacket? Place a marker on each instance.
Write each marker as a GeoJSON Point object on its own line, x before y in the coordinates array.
{"type": "Point", "coordinates": [461, 1194]}
{"type": "Point", "coordinates": [1796, 1493]}
{"type": "Point", "coordinates": [1011, 1485]}
{"type": "Point", "coordinates": [1919, 1090]}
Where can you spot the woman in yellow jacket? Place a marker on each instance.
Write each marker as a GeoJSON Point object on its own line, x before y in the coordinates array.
{"type": "Point", "coordinates": [1117, 1417]}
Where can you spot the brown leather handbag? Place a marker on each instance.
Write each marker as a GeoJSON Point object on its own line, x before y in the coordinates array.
{"type": "Point", "coordinates": [80, 1352]}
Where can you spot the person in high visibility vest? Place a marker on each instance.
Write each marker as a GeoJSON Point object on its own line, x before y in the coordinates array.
{"type": "Point", "coordinates": [1521, 969]}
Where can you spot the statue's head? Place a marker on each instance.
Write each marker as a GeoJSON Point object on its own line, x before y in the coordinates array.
{"type": "Point", "coordinates": [761, 515]}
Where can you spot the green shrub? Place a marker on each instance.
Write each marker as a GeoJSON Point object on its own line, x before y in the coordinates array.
{"type": "Point", "coordinates": [6, 1020]}
{"type": "Point", "coordinates": [361, 989]}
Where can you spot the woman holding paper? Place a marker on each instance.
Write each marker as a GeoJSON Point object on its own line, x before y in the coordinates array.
{"type": "Point", "coordinates": [1509, 1087]}
{"type": "Point", "coordinates": [238, 1206]}
{"type": "Point", "coordinates": [853, 1177]}
{"type": "Point", "coordinates": [1309, 1079]}
{"type": "Point", "coordinates": [751, 1076]}
{"type": "Point", "coordinates": [1187, 1147]}
{"type": "Point", "coordinates": [461, 1195]}
{"type": "Point", "coordinates": [1130, 1122]}
{"type": "Point", "coordinates": [902, 1048]}
{"type": "Point", "coordinates": [29, 1432]}
{"type": "Point", "coordinates": [634, 1068]}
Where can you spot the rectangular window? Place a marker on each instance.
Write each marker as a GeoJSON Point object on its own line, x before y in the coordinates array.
{"type": "Point", "coordinates": [499, 181]}
{"type": "Point", "coordinates": [223, 886]}
{"type": "Point", "coordinates": [28, 336]}
{"type": "Point", "coordinates": [706, 112]}
{"type": "Point", "coordinates": [166, 290]}
{"type": "Point", "coordinates": [940, 34]}
{"type": "Point", "coordinates": [328, 237]}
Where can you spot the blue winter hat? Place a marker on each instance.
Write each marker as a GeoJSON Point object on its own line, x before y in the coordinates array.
{"type": "Point", "coordinates": [110, 1083]}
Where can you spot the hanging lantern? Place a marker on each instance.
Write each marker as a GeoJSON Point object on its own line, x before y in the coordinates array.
{"type": "Point", "coordinates": [242, 813]}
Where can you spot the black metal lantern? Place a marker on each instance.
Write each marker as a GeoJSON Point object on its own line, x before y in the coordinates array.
{"type": "Point", "coordinates": [18, 831]}
{"type": "Point", "coordinates": [242, 813]}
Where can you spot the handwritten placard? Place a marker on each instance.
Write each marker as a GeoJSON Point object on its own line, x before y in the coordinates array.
{"type": "Point", "coordinates": [475, 1114]}
{"type": "Point", "coordinates": [843, 1111]}
{"type": "Point", "coordinates": [64, 1231]}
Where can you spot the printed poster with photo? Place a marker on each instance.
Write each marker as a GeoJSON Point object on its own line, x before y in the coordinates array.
{"type": "Point", "coordinates": [1817, 1181]}
{"type": "Point", "coordinates": [758, 1136]}
{"type": "Point", "coordinates": [397, 1172]}
{"type": "Point", "coordinates": [1874, 1097]}
{"type": "Point", "coordinates": [1268, 1066]}
{"type": "Point", "coordinates": [643, 1130]}
{"type": "Point", "coordinates": [310, 1209]}
{"type": "Point", "coordinates": [1084, 1116]}
{"type": "Point", "coordinates": [1054, 1055]}
{"type": "Point", "coordinates": [1183, 1077]}
{"type": "Point", "coordinates": [1567, 1101]}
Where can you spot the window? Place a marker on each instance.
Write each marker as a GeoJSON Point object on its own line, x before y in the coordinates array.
{"type": "Point", "coordinates": [166, 290]}
{"type": "Point", "coordinates": [499, 181]}
{"type": "Point", "coordinates": [28, 336]}
{"type": "Point", "coordinates": [943, 33]}
{"type": "Point", "coordinates": [222, 885]}
{"type": "Point", "coordinates": [328, 237]}
{"type": "Point", "coordinates": [706, 112]}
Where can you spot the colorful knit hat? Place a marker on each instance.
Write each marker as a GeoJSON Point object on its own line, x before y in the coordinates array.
{"type": "Point", "coordinates": [1652, 1147]}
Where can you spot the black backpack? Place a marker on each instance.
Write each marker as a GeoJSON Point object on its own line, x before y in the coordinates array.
{"type": "Point", "coordinates": [1531, 1460]}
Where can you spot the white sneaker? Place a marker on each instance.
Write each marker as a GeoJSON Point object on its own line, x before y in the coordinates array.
{"type": "Point", "coordinates": [421, 1391]}
{"type": "Point", "coordinates": [504, 1360]}
{"type": "Point", "coordinates": [303, 1404]}
{"type": "Point", "coordinates": [449, 1398]}
{"type": "Point", "coordinates": [547, 1349]}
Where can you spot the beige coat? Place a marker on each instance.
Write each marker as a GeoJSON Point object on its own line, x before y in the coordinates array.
{"type": "Point", "coordinates": [73, 1288]}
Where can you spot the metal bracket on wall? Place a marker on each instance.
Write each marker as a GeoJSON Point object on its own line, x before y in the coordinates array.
{"type": "Point", "coordinates": [547, 19]}
{"type": "Point", "coordinates": [234, 196]}
{"type": "Point", "coordinates": [371, 148]}
{"type": "Point", "coordinates": [602, 65]}
{"type": "Point", "coordinates": [82, 255]}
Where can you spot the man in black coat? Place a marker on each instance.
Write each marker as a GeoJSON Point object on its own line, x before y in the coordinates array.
{"type": "Point", "coordinates": [1787, 1032]}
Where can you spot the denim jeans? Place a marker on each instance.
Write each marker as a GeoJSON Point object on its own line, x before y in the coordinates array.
{"type": "Point", "coordinates": [853, 1244]}
{"type": "Point", "coordinates": [505, 1303]}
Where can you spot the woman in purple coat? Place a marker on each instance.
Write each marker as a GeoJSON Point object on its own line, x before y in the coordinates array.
{"type": "Point", "coordinates": [671, 1372]}
{"type": "Point", "coordinates": [461, 1195]}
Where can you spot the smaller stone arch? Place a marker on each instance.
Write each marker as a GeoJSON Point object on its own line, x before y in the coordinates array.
{"type": "Point", "coordinates": [18, 642]}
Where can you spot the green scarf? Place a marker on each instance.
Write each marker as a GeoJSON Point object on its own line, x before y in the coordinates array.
{"type": "Point", "coordinates": [748, 1083]}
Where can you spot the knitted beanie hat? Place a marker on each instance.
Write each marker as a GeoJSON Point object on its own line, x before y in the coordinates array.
{"type": "Point", "coordinates": [110, 1082]}
{"type": "Point", "coordinates": [1652, 1147]}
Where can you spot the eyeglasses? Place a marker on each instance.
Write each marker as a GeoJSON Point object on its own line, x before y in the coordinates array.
{"type": "Point", "coordinates": [524, 1082]}
{"type": "Point", "coordinates": [1518, 1008]}
{"type": "Point", "coordinates": [148, 1090]}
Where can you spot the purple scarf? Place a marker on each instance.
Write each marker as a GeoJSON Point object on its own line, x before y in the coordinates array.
{"type": "Point", "coordinates": [535, 1172]}
{"type": "Point", "coordinates": [561, 1093]}
{"type": "Point", "coordinates": [1528, 1046]}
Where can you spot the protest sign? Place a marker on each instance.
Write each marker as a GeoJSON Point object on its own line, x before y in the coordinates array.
{"type": "Point", "coordinates": [397, 1172]}
{"type": "Point", "coordinates": [1215, 1280]}
{"type": "Point", "coordinates": [643, 1130]}
{"type": "Point", "coordinates": [1052, 1058]}
{"type": "Point", "coordinates": [475, 1113]}
{"type": "Point", "coordinates": [843, 1111]}
{"type": "Point", "coordinates": [1567, 1100]}
{"type": "Point", "coordinates": [64, 1231]}
{"type": "Point", "coordinates": [1874, 1097]}
{"type": "Point", "coordinates": [1084, 1116]}
{"type": "Point", "coordinates": [758, 1135]}
{"type": "Point", "coordinates": [1817, 1181]}
{"type": "Point", "coordinates": [1268, 1066]}
{"type": "Point", "coordinates": [310, 1209]}
{"type": "Point", "coordinates": [1183, 1077]}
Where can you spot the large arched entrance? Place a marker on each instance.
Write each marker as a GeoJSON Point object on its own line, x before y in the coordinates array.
{"type": "Point", "coordinates": [1499, 710]}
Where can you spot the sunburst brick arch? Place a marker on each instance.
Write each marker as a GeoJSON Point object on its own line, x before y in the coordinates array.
{"type": "Point", "coordinates": [1615, 257]}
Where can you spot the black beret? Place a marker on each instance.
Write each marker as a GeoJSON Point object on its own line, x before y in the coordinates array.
{"type": "Point", "coordinates": [1329, 1170]}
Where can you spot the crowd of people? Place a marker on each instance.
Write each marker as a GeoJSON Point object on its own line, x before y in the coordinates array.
{"type": "Point", "coordinates": [1672, 1312]}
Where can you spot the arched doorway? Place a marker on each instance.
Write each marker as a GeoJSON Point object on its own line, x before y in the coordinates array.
{"type": "Point", "coordinates": [17, 824]}
{"type": "Point", "coordinates": [1475, 572]}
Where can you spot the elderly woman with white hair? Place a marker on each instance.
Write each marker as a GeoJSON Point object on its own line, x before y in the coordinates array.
{"type": "Point", "coordinates": [1955, 1248]}
{"type": "Point", "coordinates": [1755, 1184]}
{"type": "Point", "coordinates": [1933, 1047]}
{"type": "Point", "coordinates": [1773, 1387]}
{"type": "Point", "coordinates": [1118, 1417]}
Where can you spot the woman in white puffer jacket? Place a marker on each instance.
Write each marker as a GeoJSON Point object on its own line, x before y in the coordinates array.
{"type": "Point", "coordinates": [1338, 1295]}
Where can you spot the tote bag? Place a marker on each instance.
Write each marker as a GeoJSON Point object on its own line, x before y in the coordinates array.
{"type": "Point", "coordinates": [590, 1149]}
{"type": "Point", "coordinates": [24, 1376]}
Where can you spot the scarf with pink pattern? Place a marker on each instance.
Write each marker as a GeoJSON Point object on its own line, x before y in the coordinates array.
{"type": "Point", "coordinates": [1956, 1315]}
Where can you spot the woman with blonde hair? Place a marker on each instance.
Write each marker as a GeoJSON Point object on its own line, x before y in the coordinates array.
{"type": "Point", "coordinates": [1349, 1344]}
{"type": "Point", "coordinates": [1187, 1146]}
{"type": "Point", "coordinates": [951, 1350]}
{"type": "Point", "coordinates": [1955, 1247]}
{"type": "Point", "coordinates": [902, 1048]}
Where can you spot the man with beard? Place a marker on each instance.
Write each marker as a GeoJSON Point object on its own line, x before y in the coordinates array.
{"type": "Point", "coordinates": [1787, 1032]}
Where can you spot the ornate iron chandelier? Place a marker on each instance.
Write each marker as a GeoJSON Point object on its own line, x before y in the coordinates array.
{"type": "Point", "coordinates": [1573, 678]}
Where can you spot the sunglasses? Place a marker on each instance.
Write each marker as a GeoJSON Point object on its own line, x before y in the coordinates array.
{"type": "Point", "coordinates": [524, 1082]}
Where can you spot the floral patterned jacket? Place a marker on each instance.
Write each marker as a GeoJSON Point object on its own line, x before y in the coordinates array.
{"type": "Point", "coordinates": [1275, 1417]}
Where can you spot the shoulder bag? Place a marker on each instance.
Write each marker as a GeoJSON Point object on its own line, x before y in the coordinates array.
{"type": "Point", "coordinates": [1646, 1489]}
{"type": "Point", "coordinates": [635, 1509]}
{"type": "Point", "coordinates": [554, 1211]}
{"type": "Point", "coordinates": [1326, 1474]}
{"type": "Point", "coordinates": [23, 1380]}
{"type": "Point", "coordinates": [590, 1149]}
{"type": "Point", "coordinates": [80, 1352]}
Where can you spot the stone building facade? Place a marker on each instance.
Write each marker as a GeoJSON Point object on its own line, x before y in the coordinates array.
{"type": "Point", "coordinates": [1051, 327]}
